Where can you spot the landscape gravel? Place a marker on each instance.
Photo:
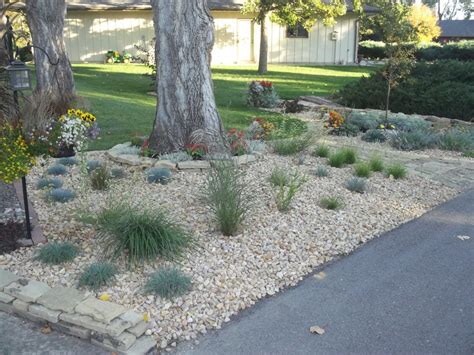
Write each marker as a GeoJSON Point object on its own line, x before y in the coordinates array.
{"type": "Point", "coordinates": [272, 251]}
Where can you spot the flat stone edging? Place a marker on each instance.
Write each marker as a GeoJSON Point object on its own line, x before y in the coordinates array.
{"type": "Point", "coordinates": [76, 313]}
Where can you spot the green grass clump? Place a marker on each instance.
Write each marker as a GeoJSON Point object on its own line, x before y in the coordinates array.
{"type": "Point", "coordinates": [337, 160]}
{"type": "Point", "coordinates": [356, 184]}
{"type": "Point", "coordinates": [331, 203]}
{"type": "Point", "coordinates": [169, 282]}
{"type": "Point", "coordinates": [91, 165]}
{"type": "Point", "coordinates": [225, 193]}
{"type": "Point", "coordinates": [350, 155]}
{"type": "Point", "coordinates": [279, 177]}
{"type": "Point", "coordinates": [469, 154]}
{"type": "Point", "coordinates": [321, 171]}
{"type": "Point", "coordinates": [97, 275]}
{"type": "Point", "coordinates": [68, 161]}
{"type": "Point", "coordinates": [292, 145]}
{"type": "Point", "coordinates": [57, 253]}
{"type": "Point", "coordinates": [60, 195]}
{"type": "Point", "coordinates": [49, 183]}
{"type": "Point", "coordinates": [362, 170]}
{"type": "Point", "coordinates": [158, 175]}
{"type": "Point", "coordinates": [321, 151]}
{"type": "Point", "coordinates": [376, 164]}
{"type": "Point", "coordinates": [140, 235]}
{"type": "Point", "coordinates": [398, 171]}
{"type": "Point", "coordinates": [285, 194]}
{"type": "Point", "coordinates": [100, 178]}
{"type": "Point", "coordinates": [57, 169]}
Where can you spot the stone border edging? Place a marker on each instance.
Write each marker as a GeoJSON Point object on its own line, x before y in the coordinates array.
{"type": "Point", "coordinates": [76, 313]}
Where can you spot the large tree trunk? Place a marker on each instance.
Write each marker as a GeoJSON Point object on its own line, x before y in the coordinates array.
{"type": "Point", "coordinates": [46, 22]}
{"type": "Point", "coordinates": [186, 109]}
{"type": "Point", "coordinates": [263, 57]}
{"type": "Point", "coordinates": [3, 28]}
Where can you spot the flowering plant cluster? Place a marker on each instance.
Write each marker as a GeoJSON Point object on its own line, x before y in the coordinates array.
{"type": "Point", "coordinates": [260, 129]}
{"type": "Point", "coordinates": [236, 139]}
{"type": "Point", "coordinates": [335, 120]}
{"type": "Point", "coordinates": [76, 128]}
{"type": "Point", "coordinates": [262, 94]}
{"type": "Point", "coordinates": [196, 151]}
{"type": "Point", "coordinates": [15, 157]}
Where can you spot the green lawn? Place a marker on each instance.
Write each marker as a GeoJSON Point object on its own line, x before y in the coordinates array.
{"type": "Point", "coordinates": [117, 93]}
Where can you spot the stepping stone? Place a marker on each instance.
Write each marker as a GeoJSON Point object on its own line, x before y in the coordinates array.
{"type": "Point", "coordinates": [62, 299]}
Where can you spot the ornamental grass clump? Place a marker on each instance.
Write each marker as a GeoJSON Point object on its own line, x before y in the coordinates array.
{"type": "Point", "coordinates": [48, 183]}
{"type": "Point", "coordinates": [356, 184]}
{"type": "Point", "coordinates": [321, 151]}
{"type": "Point", "coordinates": [140, 235]}
{"type": "Point", "coordinates": [376, 164]}
{"type": "Point", "coordinates": [225, 193]}
{"type": "Point", "coordinates": [100, 178]}
{"type": "Point", "coordinates": [350, 155]}
{"type": "Point", "coordinates": [362, 170]}
{"type": "Point", "coordinates": [158, 175]}
{"type": "Point", "coordinates": [279, 177]}
{"type": "Point", "coordinates": [284, 194]}
{"type": "Point", "coordinates": [337, 160]}
{"type": "Point", "coordinates": [293, 145]}
{"type": "Point", "coordinates": [321, 171]}
{"type": "Point", "coordinates": [398, 171]}
{"type": "Point", "coordinates": [331, 203]}
{"type": "Point", "coordinates": [69, 161]}
{"type": "Point", "coordinates": [57, 253]}
{"type": "Point", "coordinates": [60, 195]}
{"type": "Point", "coordinates": [97, 275]}
{"type": "Point", "coordinates": [57, 169]}
{"type": "Point", "coordinates": [91, 165]}
{"type": "Point", "coordinates": [168, 283]}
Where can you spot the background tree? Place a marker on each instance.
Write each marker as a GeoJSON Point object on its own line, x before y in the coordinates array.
{"type": "Point", "coordinates": [46, 23]}
{"type": "Point", "coordinates": [186, 110]}
{"type": "Point", "coordinates": [424, 21]}
{"type": "Point", "coordinates": [291, 13]}
{"type": "Point", "coordinates": [449, 9]}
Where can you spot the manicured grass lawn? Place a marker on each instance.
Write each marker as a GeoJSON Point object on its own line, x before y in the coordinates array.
{"type": "Point", "coordinates": [117, 93]}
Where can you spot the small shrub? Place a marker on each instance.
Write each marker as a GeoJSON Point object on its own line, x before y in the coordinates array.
{"type": "Point", "coordinates": [293, 145]}
{"type": "Point", "coordinates": [331, 203]}
{"type": "Point", "coordinates": [69, 161]}
{"type": "Point", "coordinates": [285, 194]}
{"type": "Point", "coordinates": [137, 141]}
{"type": "Point", "coordinates": [469, 154]}
{"type": "Point", "coordinates": [364, 121]}
{"type": "Point", "coordinates": [374, 135]}
{"type": "Point", "coordinates": [321, 171]}
{"type": "Point", "coordinates": [169, 282]}
{"type": "Point", "coordinates": [362, 170]}
{"type": "Point", "coordinates": [92, 165]}
{"type": "Point", "coordinates": [117, 173]}
{"type": "Point", "coordinates": [350, 155]}
{"type": "Point", "coordinates": [158, 175]}
{"type": "Point", "coordinates": [61, 195]}
{"type": "Point", "coordinates": [321, 151]}
{"type": "Point", "coordinates": [256, 146]}
{"type": "Point", "coordinates": [398, 171]}
{"type": "Point", "coordinates": [100, 178]}
{"type": "Point", "coordinates": [337, 160]}
{"type": "Point", "coordinates": [49, 183]}
{"type": "Point", "coordinates": [376, 164]}
{"type": "Point", "coordinates": [10, 232]}
{"type": "Point", "coordinates": [97, 275]}
{"type": "Point", "coordinates": [175, 157]}
{"type": "Point", "coordinates": [140, 235]}
{"type": "Point", "coordinates": [457, 140]}
{"type": "Point", "coordinates": [279, 177]}
{"type": "Point", "coordinates": [225, 194]}
{"type": "Point", "coordinates": [261, 94]}
{"type": "Point", "coordinates": [356, 184]}
{"type": "Point", "coordinates": [57, 169]}
{"type": "Point", "coordinates": [57, 253]}
{"type": "Point", "coordinates": [415, 140]}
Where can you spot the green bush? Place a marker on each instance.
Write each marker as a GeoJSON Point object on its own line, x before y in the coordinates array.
{"type": "Point", "coordinates": [398, 171]}
{"type": "Point", "coordinates": [349, 154]}
{"type": "Point", "coordinates": [48, 183]}
{"type": "Point", "coordinates": [364, 121]}
{"type": "Point", "coordinates": [140, 235]}
{"type": "Point", "coordinates": [285, 194]}
{"type": "Point", "coordinates": [57, 253]}
{"type": "Point", "coordinates": [57, 169]}
{"type": "Point", "coordinates": [225, 193]}
{"type": "Point", "coordinates": [337, 160]}
{"type": "Point", "coordinates": [97, 275]}
{"type": "Point", "coordinates": [60, 195]}
{"type": "Point", "coordinates": [371, 49]}
{"type": "Point", "coordinates": [374, 135]}
{"type": "Point", "coordinates": [100, 178]}
{"type": "Point", "coordinates": [91, 165]}
{"type": "Point", "coordinates": [321, 171]}
{"type": "Point", "coordinates": [362, 170]}
{"type": "Point", "coordinates": [331, 203]}
{"type": "Point", "coordinates": [424, 91]}
{"type": "Point", "coordinates": [292, 145]}
{"type": "Point", "coordinates": [279, 177]}
{"type": "Point", "coordinates": [68, 161]}
{"type": "Point", "coordinates": [415, 140]}
{"type": "Point", "coordinates": [321, 151]}
{"type": "Point", "coordinates": [376, 164]}
{"type": "Point", "coordinates": [356, 184]}
{"type": "Point", "coordinates": [469, 154]}
{"type": "Point", "coordinates": [168, 283]}
{"type": "Point", "coordinates": [457, 140]}
{"type": "Point", "coordinates": [158, 175]}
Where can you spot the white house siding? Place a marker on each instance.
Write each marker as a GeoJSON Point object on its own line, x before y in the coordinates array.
{"type": "Point", "coordinates": [90, 34]}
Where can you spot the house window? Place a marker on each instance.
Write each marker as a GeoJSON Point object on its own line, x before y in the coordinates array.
{"type": "Point", "coordinates": [297, 31]}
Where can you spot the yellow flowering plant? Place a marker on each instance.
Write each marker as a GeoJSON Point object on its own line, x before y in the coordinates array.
{"type": "Point", "coordinates": [15, 157]}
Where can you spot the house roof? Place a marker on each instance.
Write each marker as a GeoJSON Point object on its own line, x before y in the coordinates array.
{"type": "Point", "coordinates": [457, 28]}
{"type": "Point", "coordinates": [145, 4]}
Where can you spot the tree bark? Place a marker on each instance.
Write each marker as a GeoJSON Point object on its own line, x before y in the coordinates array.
{"type": "Point", "coordinates": [263, 56]}
{"type": "Point", "coordinates": [46, 22]}
{"type": "Point", "coordinates": [186, 109]}
{"type": "Point", "coordinates": [4, 60]}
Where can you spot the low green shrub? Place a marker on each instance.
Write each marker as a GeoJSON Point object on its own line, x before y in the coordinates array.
{"type": "Point", "coordinates": [100, 178]}
{"type": "Point", "coordinates": [57, 169]}
{"type": "Point", "coordinates": [140, 235]}
{"type": "Point", "coordinates": [48, 183]}
{"type": "Point", "coordinates": [364, 121]}
{"type": "Point", "coordinates": [331, 203]}
{"type": "Point", "coordinates": [376, 164]}
{"type": "Point", "coordinates": [374, 135]}
{"type": "Point", "coordinates": [350, 155]}
{"type": "Point", "coordinates": [137, 141]}
{"type": "Point", "coordinates": [337, 160]}
{"type": "Point", "coordinates": [225, 193]}
{"type": "Point", "coordinates": [91, 165]}
{"type": "Point", "coordinates": [97, 275]}
{"type": "Point", "coordinates": [457, 140]}
{"type": "Point", "coordinates": [168, 283]}
{"type": "Point", "coordinates": [60, 195]}
{"type": "Point", "coordinates": [469, 154]}
{"type": "Point", "coordinates": [362, 170]}
{"type": "Point", "coordinates": [57, 253]}
{"type": "Point", "coordinates": [279, 177]}
{"type": "Point", "coordinates": [68, 161]}
{"type": "Point", "coordinates": [356, 184]}
{"type": "Point", "coordinates": [321, 171]}
{"type": "Point", "coordinates": [158, 175]}
{"type": "Point", "coordinates": [398, 171]}
{"type": "Point", "coordinates": [285, 194]}
{"type": "Point", "coordinates": [415, 140]}
{"type": "Point", "coordinates": [292, 145]}
{"type": "Point", "coordinates": [321, 151]}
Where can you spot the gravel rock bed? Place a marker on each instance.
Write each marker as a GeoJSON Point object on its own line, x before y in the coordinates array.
{"type": "Point", "coordinates": [274, 250]}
